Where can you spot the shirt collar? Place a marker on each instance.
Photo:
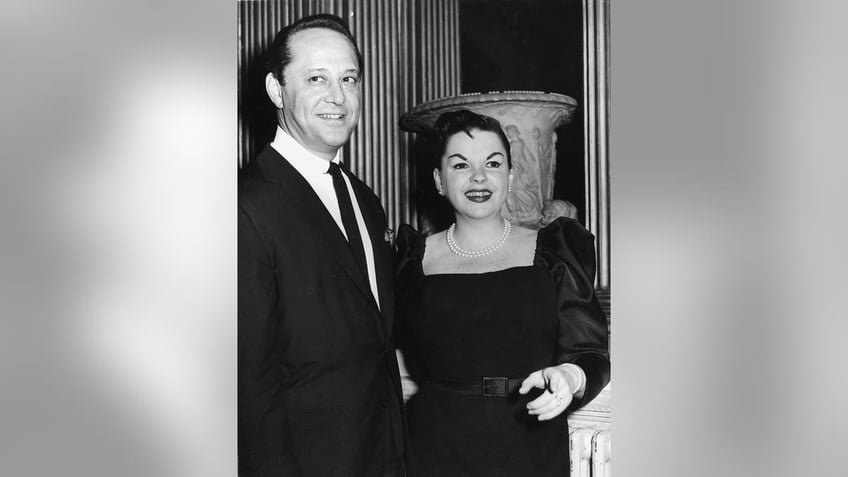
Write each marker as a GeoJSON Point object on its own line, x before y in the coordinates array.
{"type": "Point", "coordinates": [308, 164]}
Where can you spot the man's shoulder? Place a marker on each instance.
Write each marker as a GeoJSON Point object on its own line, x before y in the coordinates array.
{"type": "Point", "coordinates": [251, 181]}
{"type": "Point", "coordinates": [254, 184]}
{"type": "Point", "coordinates": [261, 164]}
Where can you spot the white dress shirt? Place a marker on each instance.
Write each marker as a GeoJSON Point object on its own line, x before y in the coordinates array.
{"type": "Point", "coordinates": [315, 170]}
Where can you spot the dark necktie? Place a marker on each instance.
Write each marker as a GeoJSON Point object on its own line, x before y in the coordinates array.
{"type": "Point", "coordinates": [354, 239]}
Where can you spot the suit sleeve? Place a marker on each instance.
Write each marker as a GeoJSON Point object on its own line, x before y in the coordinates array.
{"type": "Point", "coordinates": [583, 334]}
{"type": "Point", "coordinates": [261, 415]}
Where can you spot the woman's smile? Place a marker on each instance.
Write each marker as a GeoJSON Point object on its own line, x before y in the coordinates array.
{"type": "Point", "coordinates": [478, 195]}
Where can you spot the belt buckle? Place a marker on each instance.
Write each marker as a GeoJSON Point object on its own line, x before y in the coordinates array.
{"type": "Point", "coordinates": [495, 386]}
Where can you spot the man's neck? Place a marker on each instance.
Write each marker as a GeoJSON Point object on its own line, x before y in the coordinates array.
{"type": "Point", "coordinates": [287, 145]}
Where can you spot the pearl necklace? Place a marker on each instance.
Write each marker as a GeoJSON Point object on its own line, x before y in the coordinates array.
{"type": "Point", "coordinates": [477, 253]}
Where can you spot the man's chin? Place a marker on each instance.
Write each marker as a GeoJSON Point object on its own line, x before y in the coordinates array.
{"type": "Point", "coordinates": [337, 139]}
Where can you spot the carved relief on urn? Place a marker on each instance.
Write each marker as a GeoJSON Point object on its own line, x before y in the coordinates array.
{"type": "Point", "coordinates": [529, 120]}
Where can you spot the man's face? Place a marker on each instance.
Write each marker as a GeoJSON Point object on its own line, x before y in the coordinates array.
{"type": "Point", "coordinates": [321, 97]}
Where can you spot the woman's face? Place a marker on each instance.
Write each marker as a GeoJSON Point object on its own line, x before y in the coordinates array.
{"type": "Point", "coordinates": [475, 176]}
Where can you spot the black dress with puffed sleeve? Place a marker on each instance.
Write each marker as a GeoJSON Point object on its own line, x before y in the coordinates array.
{"type": "Point", "coordinates": [463, 328]}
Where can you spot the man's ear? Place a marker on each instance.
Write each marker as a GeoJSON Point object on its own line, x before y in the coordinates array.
{"type": "Point", "coordinates": [274, 90]}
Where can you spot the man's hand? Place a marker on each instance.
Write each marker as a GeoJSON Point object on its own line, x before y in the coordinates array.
{"type": "Point", "coordinates": [408, 387]}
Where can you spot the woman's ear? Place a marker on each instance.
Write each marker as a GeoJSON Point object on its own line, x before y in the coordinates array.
{"type": "Point", "coordinates": [437, 179]}
{"type": "Point", "coordinates": [511, 177]}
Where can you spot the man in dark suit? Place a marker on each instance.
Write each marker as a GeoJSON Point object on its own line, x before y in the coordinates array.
{"type": "Point", "coordinates": [318, 386]}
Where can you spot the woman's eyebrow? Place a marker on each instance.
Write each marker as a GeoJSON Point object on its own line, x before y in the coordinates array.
{"type": "Point", "coordinates": [456, 154]}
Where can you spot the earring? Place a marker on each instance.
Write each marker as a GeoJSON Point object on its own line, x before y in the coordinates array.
{"type": "Point", "coordinates": [441, 192]}
{"type": "Point", "coordinates": [509, 189]}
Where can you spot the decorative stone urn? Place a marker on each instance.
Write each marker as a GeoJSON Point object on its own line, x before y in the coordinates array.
{"type": "Point", "coordinates": [529, 120]}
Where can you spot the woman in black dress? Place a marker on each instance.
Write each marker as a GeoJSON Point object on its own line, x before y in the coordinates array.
{"type": "Point", "coordinates": [498, 324]}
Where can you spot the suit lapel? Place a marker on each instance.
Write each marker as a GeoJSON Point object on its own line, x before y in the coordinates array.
{"type": "Point", "coordinates": [298, 196]}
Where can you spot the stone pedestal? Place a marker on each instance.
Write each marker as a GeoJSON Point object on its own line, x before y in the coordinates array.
{"type": "Point", "coordinates": [590, 434]}
{"type": "Point", "coordinates": [529, 120]}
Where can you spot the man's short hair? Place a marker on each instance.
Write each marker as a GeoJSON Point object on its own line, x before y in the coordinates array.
{"type": "Point", "coordinates": [279, 54]}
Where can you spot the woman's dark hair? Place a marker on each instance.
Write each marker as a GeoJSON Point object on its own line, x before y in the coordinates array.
{"type": "Point", "coordinates": [279, 54]}
{"type": "Point", "coordinates": [463, 120]}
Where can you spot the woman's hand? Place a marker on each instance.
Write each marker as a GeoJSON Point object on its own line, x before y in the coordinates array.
{"type": "Point", "coordinates": [560, 384]}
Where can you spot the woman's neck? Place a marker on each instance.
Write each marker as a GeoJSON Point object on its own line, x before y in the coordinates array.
{"type": "Point", "coordinates": [474, 234]}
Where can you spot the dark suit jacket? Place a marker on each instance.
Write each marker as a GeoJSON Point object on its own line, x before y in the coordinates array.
{"type": "Point", "coordinates": [318, 385]}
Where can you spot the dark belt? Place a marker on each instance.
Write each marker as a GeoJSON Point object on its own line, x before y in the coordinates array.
{"type": "Point", "coordinates": [485, 386]}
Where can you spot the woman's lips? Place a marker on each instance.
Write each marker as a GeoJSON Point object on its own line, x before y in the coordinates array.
{"type": "Point", "coordinates": [478, 195]}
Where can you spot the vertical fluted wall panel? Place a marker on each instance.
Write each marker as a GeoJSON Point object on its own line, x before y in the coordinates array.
{"type": "Point", "coordinates": [429, 70]}
{"type": "Point", "coordinates": [603, 145]}
{"type": "Point", "coordinates": [411, 54]}
{"type": "Point", "coordinates": [596, 142]}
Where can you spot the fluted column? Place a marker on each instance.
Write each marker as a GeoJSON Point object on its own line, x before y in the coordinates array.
{"type": "Point", "coordinates": [596, 138]}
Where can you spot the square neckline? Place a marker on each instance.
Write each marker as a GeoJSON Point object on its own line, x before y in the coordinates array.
{"type": "Point", "coordinates": [457, 274]}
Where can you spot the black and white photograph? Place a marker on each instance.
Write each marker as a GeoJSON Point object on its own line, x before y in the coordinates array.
{"type": "Point", "coordinates": [423, 238]}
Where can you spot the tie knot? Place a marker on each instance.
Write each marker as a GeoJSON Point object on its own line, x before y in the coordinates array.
{"type": "Point", "coordinates": [334, 170]}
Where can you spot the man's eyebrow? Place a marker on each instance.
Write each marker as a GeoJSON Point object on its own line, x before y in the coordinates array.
{"type": "Point", "coordinates": [325, 70]}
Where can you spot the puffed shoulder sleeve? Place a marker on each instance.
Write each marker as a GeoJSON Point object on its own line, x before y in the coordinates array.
{"type": "Point", "coordinates": [408, 255]}
{"type": "Point", "coordinates": [567, 250]}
